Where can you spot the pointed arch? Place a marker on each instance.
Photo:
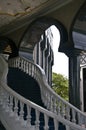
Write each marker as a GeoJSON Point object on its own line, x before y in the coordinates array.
{"type": "Point", "coordinates": [33, 33]}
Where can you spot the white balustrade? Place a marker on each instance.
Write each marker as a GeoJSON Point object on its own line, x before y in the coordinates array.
{"type": "Point", "coordinates": [37, 120]}
{"type": "Point", "coordinates": [51, 100]}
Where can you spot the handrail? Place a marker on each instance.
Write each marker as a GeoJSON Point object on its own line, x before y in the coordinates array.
{"type": "Point", "coordinates": [51, 100]}
{"type": "Point", "coordinates": [10, 99]}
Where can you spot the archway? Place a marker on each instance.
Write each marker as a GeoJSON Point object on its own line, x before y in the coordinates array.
{"type": "Point", "coordinates": [33, 36]}
{"type": "Point", "coordinates": [33, 33]}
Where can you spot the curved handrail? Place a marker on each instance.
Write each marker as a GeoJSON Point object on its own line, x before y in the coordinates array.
{"type": "Point", "coordinates": [51, 100]}
{"type": "Point", "coordinates": [10, 99]}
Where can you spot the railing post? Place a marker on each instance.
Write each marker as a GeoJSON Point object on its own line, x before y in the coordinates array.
{"type": "Point", "coordinates": [46, 127]}
{"type": "Point", "coordinates": [37, 120]}
{"type": "Point", "coordinates": [11, 105]}
{"type": "Point", "coordinates": [28, 123]}
{"type": "Point", "coordinates": [21, 117]}
{"type": "Point", "coordinates": [16, 109]}
{"type": "Point", "coordinates": [73, 116]}
{"type": "Point", "coordinates": [56, 124]}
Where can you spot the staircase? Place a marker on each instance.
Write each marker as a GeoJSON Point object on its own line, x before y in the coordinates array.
{"type": "Point", "coordinates": [22, 111]}
{"type": "Point", "coordinates": [25, 85]}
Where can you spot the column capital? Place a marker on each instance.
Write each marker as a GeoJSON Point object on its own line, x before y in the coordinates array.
{"type": "Point", "coordinates": [69, 49]}
{"type": "Point", "coordinates": [72, 52]}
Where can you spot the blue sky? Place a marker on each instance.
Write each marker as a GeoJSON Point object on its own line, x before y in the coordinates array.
{"type": "Point", "coordinates": [60, 59]}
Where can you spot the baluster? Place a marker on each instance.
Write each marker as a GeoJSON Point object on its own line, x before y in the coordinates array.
{"type": "Point", "coordinates": [16, 108]}
{"type": "Point", "coordinates": [18, 62]}
{"type": "Point", "coordinates": [4, 100]}
{"type": "Point", "coordinates": [46, 127]}
{"type": "Point", "coordinates": [35, 72]}
{"type": "Point", "coordinates": [21, 117]}
{"type": "Point", "coordinates": [32, 70]}
{"type": "Point", "coordinates": [1, 97]}
{"type": "Point", "coordinates": [73, 116]}
{"type": "Point", "coordinates": [63, 109]}
{"type": "Point", "coordinates": [37, 120]}
{"type": "Point", "coordinates": [11, 105]}
{"type": "Point", "coordinates": [68, 127]}
{"type": "Point", "coordinates": [56, 124]}
{"type": "Point", "coordinates": [43, 96]}
{"type": "Point", "coordinates": [59, 107]}
{"type": "Point", "coordinates": [51, 103]}
{"type": "Point", "coordinates": [54, 105]}
{"type": "Point", "coordinates": [79, 118]}
{"type": "Point", "coordinates": [24, 66]}
{"type": "Point", "coordinates": [37, 76]}
{"type": "Point", "coordinates": [27, 70]}
{"type": "Point", "coordinates": [7, 102]}
{"type": "Point", "coordinates": [28, 123]}
{"type": "Point", "coordinates": [67, 116]}
{"type": "Point", "coordinates": [48, 101]}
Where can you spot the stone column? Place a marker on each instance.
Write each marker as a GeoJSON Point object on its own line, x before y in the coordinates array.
{"type": "Point", "coordinates": [74, 78]}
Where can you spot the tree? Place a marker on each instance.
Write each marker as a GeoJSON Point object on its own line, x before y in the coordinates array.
{"type": "Point", "coordinates": [60, 85]}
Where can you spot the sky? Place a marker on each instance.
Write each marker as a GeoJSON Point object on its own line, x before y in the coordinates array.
{"type": "Point", "coordinates": [60, 59]}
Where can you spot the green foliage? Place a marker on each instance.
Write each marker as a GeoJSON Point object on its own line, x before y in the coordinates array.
{"type": "Point", "coordinates": [60, 85]}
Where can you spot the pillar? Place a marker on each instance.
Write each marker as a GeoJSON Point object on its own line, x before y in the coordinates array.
{"type": "Point", "coordinates": [74, 78]}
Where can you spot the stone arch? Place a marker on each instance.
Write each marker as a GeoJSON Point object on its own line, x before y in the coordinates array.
{"type": "Point", "coordinates": [33, 33]}
{"type": "Point", "coordinates": [78, 31]}
{"type": "Point", "coordinates": [7, 46]}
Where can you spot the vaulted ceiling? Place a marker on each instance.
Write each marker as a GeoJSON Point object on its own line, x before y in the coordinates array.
{"type": "Point", "coordinates": [18, 15]}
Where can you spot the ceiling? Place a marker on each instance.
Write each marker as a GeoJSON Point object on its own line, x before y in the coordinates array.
{"type": "Point", "coordinates": [17, 15]}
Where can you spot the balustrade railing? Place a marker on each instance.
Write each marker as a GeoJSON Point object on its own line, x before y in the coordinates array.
{"type": "Point", "coordinates": [51, 100]}
{"type": "Point", "coordinates": [18, 109]}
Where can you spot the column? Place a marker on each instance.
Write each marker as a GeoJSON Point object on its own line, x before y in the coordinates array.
{"type": "Point", "coordinates": [74, 78]}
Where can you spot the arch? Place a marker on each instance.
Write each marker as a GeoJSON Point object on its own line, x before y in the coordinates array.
{"type": "Point", "coordinates": [78, 32]}
{"type": "Point", "coordinates": [33, 33]}
{"type": "Point", "coordinates": [7, 46]}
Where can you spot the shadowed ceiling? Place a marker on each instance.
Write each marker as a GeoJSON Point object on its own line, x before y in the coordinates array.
{"type": "Point", "coordinates": [17, 15]}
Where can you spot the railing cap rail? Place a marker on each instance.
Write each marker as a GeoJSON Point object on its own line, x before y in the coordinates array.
{"type": "Point", "coordinates": [49, 88]}
{"type": "Point", "coordinates": [35, 106]}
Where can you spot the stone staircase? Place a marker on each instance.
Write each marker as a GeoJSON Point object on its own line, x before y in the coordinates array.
{"type": "Point", "coordinates": [18, 112]}
{"type": "Point", "coordinates": [27, 87]}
